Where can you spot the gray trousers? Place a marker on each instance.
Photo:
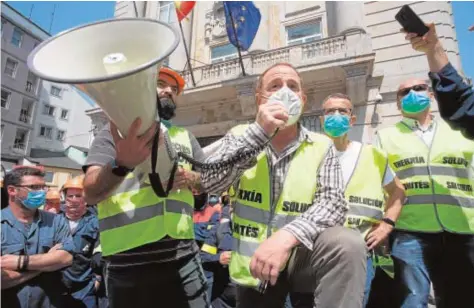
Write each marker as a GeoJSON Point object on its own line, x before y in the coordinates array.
{"type": "Point", "coordinates": [332, 275]}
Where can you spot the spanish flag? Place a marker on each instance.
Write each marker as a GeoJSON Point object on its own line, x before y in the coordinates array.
{"type": "Point", "coordinates": [183, 8]}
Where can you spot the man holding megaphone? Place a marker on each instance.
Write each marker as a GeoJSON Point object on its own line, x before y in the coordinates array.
{"type": "Point", "coordinates": [147, 241]}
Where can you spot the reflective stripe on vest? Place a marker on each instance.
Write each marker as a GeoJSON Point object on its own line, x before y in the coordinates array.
{"type": "Point", "coordinates": [364, 191]}
{"type": "Point", "coordinates": [254, 220]}
{"type": "Point", "coordinates": [437, 184]}
{"type": "Point", "coordinates": [134, 215]}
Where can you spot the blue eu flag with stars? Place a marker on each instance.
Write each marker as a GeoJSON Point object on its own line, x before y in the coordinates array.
{"type": "Point", "coordinates": [246, 20]}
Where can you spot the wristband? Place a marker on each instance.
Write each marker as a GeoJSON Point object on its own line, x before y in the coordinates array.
{"type": "Point", "coordinates": [388, 221]}
{"type": "Point", "coordinates": [18, 265]}
{"type": "Point", "coordinates": [26, 261]}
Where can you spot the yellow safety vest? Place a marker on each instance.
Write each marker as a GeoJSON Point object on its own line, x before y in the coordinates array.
{"type": "Point", "coordinates": [254, 219]}
{"type": "Point", "coordinates": [364, 190]}
{"type": "Point", "coordinates": [366, 198]}
{"type": "Point", "coordinates": [437, 182]}
{"type": "Point", "coordinates": [134, 215]}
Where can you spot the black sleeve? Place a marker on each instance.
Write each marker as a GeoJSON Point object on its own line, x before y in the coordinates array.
{"type": "Point", "coordinates": [455, 100]}
{"type": "Point", "coordinates": [102, 150]}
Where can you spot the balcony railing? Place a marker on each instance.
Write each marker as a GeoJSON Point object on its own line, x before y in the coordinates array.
{"type": "Point", "coordinates": [25, 116]}
{"type": "Point", "coordinates": [311, 53]}
{"type": "Point", "coordinates": [29, 87]}
{"type": "Point", "coordinates": [19, 145]}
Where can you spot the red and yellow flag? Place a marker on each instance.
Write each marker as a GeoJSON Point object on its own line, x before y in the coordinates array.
{"type": "Point", "coordinates": [183, 8]}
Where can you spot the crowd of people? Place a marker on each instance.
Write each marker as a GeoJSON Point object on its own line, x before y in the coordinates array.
{"type": "Point", "coordinates": [289, 218]}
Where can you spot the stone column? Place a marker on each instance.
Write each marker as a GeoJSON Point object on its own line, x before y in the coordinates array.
{"type": "Point", "coordinates": [345, 16]}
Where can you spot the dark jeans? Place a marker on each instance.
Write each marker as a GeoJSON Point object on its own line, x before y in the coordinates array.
{"type": "Point", "coordinates": [177, 284]}
{"type": "Point", "coordinates": [445, 259]}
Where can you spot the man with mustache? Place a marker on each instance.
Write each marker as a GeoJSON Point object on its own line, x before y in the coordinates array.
{"type": "Point", "coordinates": [80, 279]}
{"type": "Point", "coordinates": [147, 241]}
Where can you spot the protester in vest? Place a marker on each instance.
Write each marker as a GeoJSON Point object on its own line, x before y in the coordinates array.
{"type": "Point", "coordinates": [147, 241]}
{"type": "Point", "coordinates": [289, 206]}
{"type": "Point", "coordinates": [207, 214]}
{"type": "Point", "coordinates": [215, 254]}
{"type": "Point", "coordinates": [367, 176]}
{"type": "Point", "coordinates": [434, 238]}
{"type": "Point", "coordinates": [53, 202]}
{"type": "Point", "coordinates": [36, 244]}
{"type": "Point", "coordinates": [80, 279]}
{"type": "Point", "coordinates": [454, 95]}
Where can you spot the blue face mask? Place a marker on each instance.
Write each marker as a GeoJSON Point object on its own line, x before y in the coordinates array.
{"type": "Point", "coordinates": [35, 199]}
{"type": "Point", "coordinates": [213, 200]}
{"type": "Point", "coordinates": [336, 125]}
{"type": "Point", "coordinates": [415, 102]}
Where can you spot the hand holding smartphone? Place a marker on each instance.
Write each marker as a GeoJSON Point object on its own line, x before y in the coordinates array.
{"type": "Point", "coordinates": [410, 21]}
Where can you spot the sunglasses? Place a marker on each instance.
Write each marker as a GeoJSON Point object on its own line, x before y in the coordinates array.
{"type": "Point", "coordinates": [416, 88]}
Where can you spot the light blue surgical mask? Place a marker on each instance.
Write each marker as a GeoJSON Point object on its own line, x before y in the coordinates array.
{"type": "Point", "coordinates": [34, 199]}
{"type": "Point", "coordinates": [415, 102]}
{"type": "Point", "coordinates": [213, 200]}
{"type": "Point", "coordinates": [336, 125]}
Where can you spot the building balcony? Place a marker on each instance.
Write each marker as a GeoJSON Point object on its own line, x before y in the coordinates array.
{"type": "Point", "coordinates": [30, 88]}
{"type": "Point", "coordinates": [19, 146]}
{"type": "Point", "coordinates": [25, 117]}
{"type": "Point", "coordinates": [332, 51]}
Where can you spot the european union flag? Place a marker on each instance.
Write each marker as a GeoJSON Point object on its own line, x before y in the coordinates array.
{"type": "Point", "coordinates": [245, 18]}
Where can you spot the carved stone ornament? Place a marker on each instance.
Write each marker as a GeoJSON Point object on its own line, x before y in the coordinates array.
{"type": "Point", "coordinates": [215, 23]}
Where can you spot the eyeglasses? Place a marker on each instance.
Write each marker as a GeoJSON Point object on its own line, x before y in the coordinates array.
{"type": "Point", "coordinates": [416, 88]}
{"type": "Point", "coordinates": [34, 187]}
{"type": "Point", "coordinates": [343, 111]}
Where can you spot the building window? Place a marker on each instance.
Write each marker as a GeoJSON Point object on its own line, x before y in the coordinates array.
{"type": "Point", "coordinates": [64, 114]}
{"type": "Point", "coordinates": [223, 53]}
{"type": "Point", "coordinates": [167, 12]}
{"type": "Point", "coordinates": [31, 83]}
{"type": "Point", "coordinates": [303, 33]}
{"type": "Point", "coordinates": [3, 24]}
{"type": "Point", "coordinates": [20, 140]}
{"type": "Point", "coordinates": [49, 110]}
{"type": "Point", "coordinates": [48, 176]}
{"type": "Point", "coordinates": [5, 98]}
{"type": "Point", "coordinates": [46, 132]}
{"type": "Point", "coordinates": [61, 135]}
{"type": "Point", "coordinates": [56, 91]}
{"type": "Point", "coordinates": [10, 67]}
{"type": "Point", "coordinates": [17, 37]}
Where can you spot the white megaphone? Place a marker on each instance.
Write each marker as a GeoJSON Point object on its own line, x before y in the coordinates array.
{"type": "Point", "coordinates": [113, 61]}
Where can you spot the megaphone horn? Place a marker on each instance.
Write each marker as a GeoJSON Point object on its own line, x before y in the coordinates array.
{"type": "Point", "coordinates": [114, 61]}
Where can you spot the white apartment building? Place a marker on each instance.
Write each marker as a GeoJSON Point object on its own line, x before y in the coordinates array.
{"type": "Point", "coordinates": [61, 119]}
{"type": "Point", "coordinates": [350, 47]}
{"type": "Point", "coordinates": [24, 98]}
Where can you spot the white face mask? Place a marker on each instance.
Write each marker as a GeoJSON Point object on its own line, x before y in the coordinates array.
{"type": "Point", "coordinates": [291, 101]}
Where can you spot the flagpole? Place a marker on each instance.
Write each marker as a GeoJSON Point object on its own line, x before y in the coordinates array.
{"type": "Point", "coordinates": [187, 54]}
{"type": "Point", "coordinates": [236, 41]}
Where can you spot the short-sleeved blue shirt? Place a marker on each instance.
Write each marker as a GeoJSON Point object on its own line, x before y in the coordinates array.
{"type": "Point", "coordinates": [46, 230]}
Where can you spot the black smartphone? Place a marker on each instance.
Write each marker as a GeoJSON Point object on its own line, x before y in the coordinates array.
{"type": "Point", "coordinates": [410, 21]}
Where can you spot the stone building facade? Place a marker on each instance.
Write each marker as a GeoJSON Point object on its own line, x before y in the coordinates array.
{"type": "Point", "coordinates": [350, 47]}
